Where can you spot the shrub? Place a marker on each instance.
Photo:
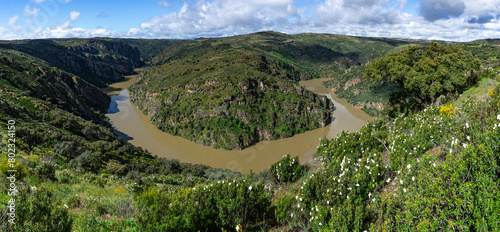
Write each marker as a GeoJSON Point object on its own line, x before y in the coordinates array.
{"type": "Point", "coordinates": [447, 110]}
{"type": "Point", "coordinates": [286, 170]}
{"type": "Point", "coordinates": [46, 170]}
{"type": "Point", "coordinates": [38, 210]}
{"type": "Point", "coordinates": [114, 167]}
{"type": "Point", "coordinates": [88, 160]}
{"type": "Point", "coordinates": [224, 204]}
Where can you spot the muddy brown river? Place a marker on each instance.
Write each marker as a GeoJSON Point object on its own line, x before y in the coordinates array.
{"type": "Point", "coordinates": [134, 126]}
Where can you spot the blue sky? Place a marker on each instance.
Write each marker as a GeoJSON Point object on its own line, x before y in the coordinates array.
{"type": "Point", "coordinates": [455, 20]}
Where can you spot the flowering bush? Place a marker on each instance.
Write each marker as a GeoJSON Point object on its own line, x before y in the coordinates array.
{"type": "Point", "coordinates": [222, 204]}
{"type": "Point", "coordinates": [286, 170]}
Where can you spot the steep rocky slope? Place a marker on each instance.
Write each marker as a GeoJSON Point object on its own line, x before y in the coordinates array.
{"type": "Point", "coordinates": [97, 61]}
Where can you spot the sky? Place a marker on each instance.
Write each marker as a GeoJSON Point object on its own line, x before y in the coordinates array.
{"type": "Point", "coordinates": [450, 20]}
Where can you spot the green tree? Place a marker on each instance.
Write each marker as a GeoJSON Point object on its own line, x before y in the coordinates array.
{"type": "Point", "coordinates": [422, 74]}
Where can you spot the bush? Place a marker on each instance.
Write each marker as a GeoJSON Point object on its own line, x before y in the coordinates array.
{"type": "Point", "coordinates": [46, 170]}
{"type": "Point", "coordinates": [88, 160]}
{"type": "Point", "coordinates": [286, 170]}
{"type": "Point", "coordinates": [37, 210]}
{"type": "Point", "coordinates": [224, 204]}
{"type": "Point", "coordinates": [114, 167]}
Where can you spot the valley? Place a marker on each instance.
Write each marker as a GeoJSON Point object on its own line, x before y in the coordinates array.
{"type": "Point", "coordinates": [237, 134]}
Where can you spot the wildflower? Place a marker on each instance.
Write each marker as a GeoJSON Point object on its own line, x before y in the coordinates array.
{"type": "Point", "coordinates": [412, 178]}
{"type": "Point", "coordinates": [434, 164]}
{"type": "Point", "coordinates": [250, 188]}
{"type": "Point", "coordinates": [389, 180]}
{"type": "Point", "coordinates": [466, 125]}
{"type": "Point", "coordinates": [300, 199]}
{"type": "Point", "coordinates": [404, 190]}
{"type": "Point", "coordinates": [320, 224]}
{"type": "Point", "coordinates": [291, 215]}
{"type": "Point", "coordinates": [498, 117]}
{"type": "Point", "coordinates": [465, 145]}
{"type": "Point", "coordinates": [408, 166]}
{"type": "Point", "coordinates": [468, 138]}
{"type": "Point", "coordinates": [296, 197]}
{"type": "Point", "coordinates": [237, 227]}
{"type": "Point", "coordinates": [401, 181]}
{"type": "Point", "coordinates": [298, 205]}
{"type": "Point", "coordinates": [66, 206]}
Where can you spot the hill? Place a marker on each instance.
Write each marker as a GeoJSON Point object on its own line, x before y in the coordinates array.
{"type": "Point", "coordinates": [233, 92]}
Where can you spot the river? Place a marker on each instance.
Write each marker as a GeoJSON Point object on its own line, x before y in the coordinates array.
{"type": "Point", "coordinates": [131, 124]}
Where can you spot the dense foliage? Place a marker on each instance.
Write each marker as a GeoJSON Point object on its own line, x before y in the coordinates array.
{"type": "Point", "coordinates": [424, 74]}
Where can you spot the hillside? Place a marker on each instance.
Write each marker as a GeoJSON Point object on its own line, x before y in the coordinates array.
{"type": "Point", "coordinates": [372, 96]}
{"type": "Point", "coordinates": [63, 142]}
{"type": "Point", "coordinates": [233, 92]}
{"type": "Point", "coordinates": [97, 61]}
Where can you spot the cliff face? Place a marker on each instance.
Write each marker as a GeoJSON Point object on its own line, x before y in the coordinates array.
{"type": "Point", "coordinates": [99, 62]}
{"type": "Point", "coordinates": [228, 95]}
{"type": "Point", "coordinates": [34, 78]}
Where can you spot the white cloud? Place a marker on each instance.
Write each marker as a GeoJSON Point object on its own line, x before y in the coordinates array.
{"type": "Point", "coordinates": [13, 20]}
{"type": "Point", "coordinates": [74, 15]}
{"type": "Point", "coordinates": [218, 17]}
{"type": "Point", "coordinates": [2, 30]}
{"type": "Point", "coordinates": [31, 12]}
{"type": "Point", "coordinates": [164, 4]}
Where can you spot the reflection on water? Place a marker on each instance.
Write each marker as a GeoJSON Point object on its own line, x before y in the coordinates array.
{"type": "Point", "coordinates": [133, 125]}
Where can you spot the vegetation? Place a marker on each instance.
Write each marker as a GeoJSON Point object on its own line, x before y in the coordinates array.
{"type": "Point", "coordinates": [434, 169]}
{"type": "Point", "coordinates": [424, 74]}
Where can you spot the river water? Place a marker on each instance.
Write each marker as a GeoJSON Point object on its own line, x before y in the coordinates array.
{"type": "Point", "coordinates": [131, 124]}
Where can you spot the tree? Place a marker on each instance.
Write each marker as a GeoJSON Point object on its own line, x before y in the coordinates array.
{"type": "Point", "coordinates": [422, 74]}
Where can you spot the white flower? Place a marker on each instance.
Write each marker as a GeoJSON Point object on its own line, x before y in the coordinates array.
{"type": "Point", "coordinates": [296, 197]}
{"type": "Point", "coordinates": [466, 125]}
{"type": "Point", "coordinates": [408, 166]}
{"type": "Point", "coordinates": [33, 188]}
{"type": "Point", "coordinates": [300, 199]}
{"type": "Point", "coordinates": [389, 180]}
{"type": "Point", "coordinates": [401, 181]}
{"type": "Point", "coordinates": [291, 215]}
{"type": "Point", "coordinates": [320, 224]}
{"type": "Point", "coordinates": [468, 138]}
{"type": "Point", "coordinates": [412, 178]}
{"type": "Point", "coordinates": [404, 190]}
{"type": "Point", "coordinates": [237, 227]}
{"type": "Point", "coordinates": [66, 206]}
{"type": "Point", "coordinates": [498, 117]}
{"type": "Point", "coordinates": [465, 145]}
{"type": "Point", "coordinates": [250, 188]}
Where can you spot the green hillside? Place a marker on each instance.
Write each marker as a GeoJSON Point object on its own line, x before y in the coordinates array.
{"type": "Point", "coordinates": [233, 92]}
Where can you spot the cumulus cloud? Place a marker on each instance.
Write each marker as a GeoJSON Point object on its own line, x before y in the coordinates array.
{"type": "Point", "coordinates": [220, 17]}
{"type": "Point", "coordinates": [31, 12]}
{"type": "Point", "coordinates": [433, 10]}
{"type": "Point", "coordinates": [74, 15]}
{"type": "Point", "coordinates": [356, 11]}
